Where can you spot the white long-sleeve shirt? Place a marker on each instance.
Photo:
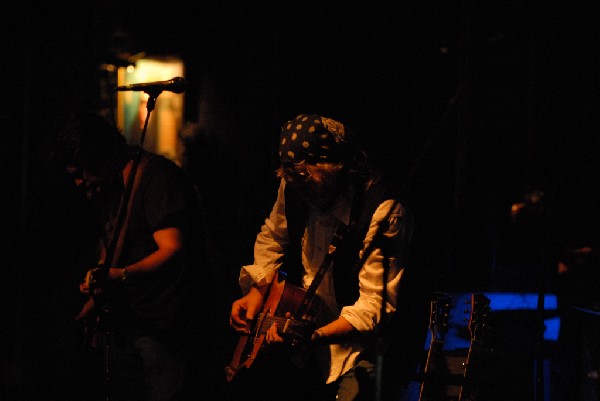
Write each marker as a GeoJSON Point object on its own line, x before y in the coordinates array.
{"type": "Point", "coordinates": [364, 314]}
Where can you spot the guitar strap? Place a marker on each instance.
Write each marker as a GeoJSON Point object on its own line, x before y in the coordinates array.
{"type": "Point", "coordinates": [304, 305]}
{"type": "Point", "coordinates": [113, 253]}
{"type": "Point", "coordinates": [136, 183]}
{"type": "Point", "coordinates": [338, 237]}
{"type": "Point", "coordinates": [116, 244]}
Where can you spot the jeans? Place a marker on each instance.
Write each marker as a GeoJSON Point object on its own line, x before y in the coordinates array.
{"type": "Point", "coordinates": [147, 370]}
{"type": "Point", "coordinates": [358, 383]}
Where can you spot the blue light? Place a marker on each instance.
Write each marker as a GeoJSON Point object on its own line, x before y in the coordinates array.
{"type": "Point", "coordinates": [457, 336]}
{"type": "Point", "coordinates": [516, 301]}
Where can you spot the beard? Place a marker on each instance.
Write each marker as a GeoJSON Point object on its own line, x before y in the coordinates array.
{"type": "Point", "coordinates": [102, 191]}
{"type": "Point", "coordinates": [317, 196]}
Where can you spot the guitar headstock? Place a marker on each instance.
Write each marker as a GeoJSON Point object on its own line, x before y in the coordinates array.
{"type": "Point", "coordinates": [478, 321]}
{"type": "Point", "coordinates": [439, 315]}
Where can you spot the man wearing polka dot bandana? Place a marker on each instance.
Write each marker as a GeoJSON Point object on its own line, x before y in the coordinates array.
{"type": "Point", "coordinates": [326, 191]}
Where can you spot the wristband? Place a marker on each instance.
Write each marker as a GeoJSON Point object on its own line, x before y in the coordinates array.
{"type": "Point", "coordinates": [124, 274]}
{"type": "Point", "coordinates": [317, 335]}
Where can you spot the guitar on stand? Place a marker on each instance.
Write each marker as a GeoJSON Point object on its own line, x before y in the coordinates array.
{"type": "Point", "coordinates": [478, 329]}
{"type": "Point", "coordinates": [433, 386]}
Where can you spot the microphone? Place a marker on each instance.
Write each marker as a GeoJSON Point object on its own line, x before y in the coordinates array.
{"type": "Point", "coordinates": [176, 85]}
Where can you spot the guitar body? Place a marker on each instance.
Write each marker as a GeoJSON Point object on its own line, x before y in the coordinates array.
{"type": "Point", "coordinates": [283, 298]}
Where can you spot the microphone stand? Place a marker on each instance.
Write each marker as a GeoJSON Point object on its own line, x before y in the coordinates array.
{"type": "Point", "coordinates": [96, 290]}
{"type": "Point", "coordinates": [532, 214]}
{"type": "Point", "coordinates": [383, 242]}
{"type": "Point", "coordinates": [380, 341]}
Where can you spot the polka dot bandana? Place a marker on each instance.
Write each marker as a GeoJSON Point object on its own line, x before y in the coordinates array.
{"type": "Point", "coordinates": [312, 139]}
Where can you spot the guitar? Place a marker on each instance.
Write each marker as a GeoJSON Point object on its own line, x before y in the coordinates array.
{"type": "Point", "coordinates": [287, 306]}
{"type": "Point", "coordinates": [432, 387]}
{"type": "Point", "coordinates": [478, 329]}
{"type": "Point", "coordinates": [96, 309]}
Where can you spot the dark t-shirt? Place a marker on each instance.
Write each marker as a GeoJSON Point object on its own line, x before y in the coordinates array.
{"type": "Point", "coordinates": [165, 302]}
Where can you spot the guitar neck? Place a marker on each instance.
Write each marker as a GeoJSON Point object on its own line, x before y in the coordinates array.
{"type": "Point", "coordinates": [467, 390]}
{"type": "Point", "coordinates": [478, 327]}
{"type": "Point", "coordinates": [268, 320]}
{"type": "Point", "coordinates": [436, 369]}
{"type": "Point", "coordinates": [433, 386]}
{"type": "Point", "coordinates": [434, 356]}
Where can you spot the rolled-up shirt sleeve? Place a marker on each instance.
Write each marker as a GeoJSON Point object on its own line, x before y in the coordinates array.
{"type": "Point", "coordinates": [365, 313]}
{"type": "Point", "coordinates": [269, 247]}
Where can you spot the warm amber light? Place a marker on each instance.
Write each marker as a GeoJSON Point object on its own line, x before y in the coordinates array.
{"type": "Point", "coordinates": [167, 117]}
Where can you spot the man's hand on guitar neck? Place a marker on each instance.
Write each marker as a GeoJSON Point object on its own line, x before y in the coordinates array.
{"type": "Point", "coordinates": [89, 283]}
{"type": "Point", "coordinates": [92, 282]}
{"type": "Point", "coordinates": [246, 308]}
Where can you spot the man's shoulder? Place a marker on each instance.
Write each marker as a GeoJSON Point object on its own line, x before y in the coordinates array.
{"type": "Point", "coordinates": [378, 192]}
{"type": "Point", "coordinates": [157, 159]}
{"type": "Point", "coordinates": [162, 165]}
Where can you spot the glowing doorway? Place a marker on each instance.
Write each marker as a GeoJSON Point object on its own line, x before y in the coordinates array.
{"type": "Point", "coordinates": [162, 135]}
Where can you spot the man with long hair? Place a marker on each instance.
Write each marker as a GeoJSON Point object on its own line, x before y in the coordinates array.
{"type": "Point", "coordinates": [342, 235]}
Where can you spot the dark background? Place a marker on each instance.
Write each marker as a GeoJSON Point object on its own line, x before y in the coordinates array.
{"type": "Point", "coordinates": [469, 105]}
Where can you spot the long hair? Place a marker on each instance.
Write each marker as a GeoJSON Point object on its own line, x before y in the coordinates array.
{"type": "Point", "coordinates": [88, 141]}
